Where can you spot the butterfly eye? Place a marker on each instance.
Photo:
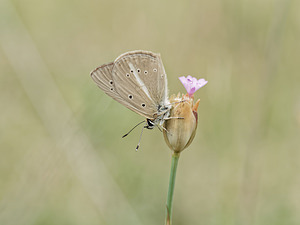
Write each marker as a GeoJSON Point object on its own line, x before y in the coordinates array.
{"type": "Point", "coordinates": [143, 104]}
{"type": "Point", "coordinates": [130, 96]}
{"type": "Point", "coordinates": [154, 70]}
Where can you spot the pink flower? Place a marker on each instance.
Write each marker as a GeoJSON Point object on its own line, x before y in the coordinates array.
{"type": "Point", "coordinates": [191, 84]}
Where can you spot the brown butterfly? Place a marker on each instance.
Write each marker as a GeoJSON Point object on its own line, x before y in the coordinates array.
{"type": "Point", "coordinates": [137, 80]}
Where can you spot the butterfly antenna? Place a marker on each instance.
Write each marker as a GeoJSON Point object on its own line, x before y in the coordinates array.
{"type": "Point", "coordinates": [138, 145]}
{"type": "Point", "coordinates": [133, 128]}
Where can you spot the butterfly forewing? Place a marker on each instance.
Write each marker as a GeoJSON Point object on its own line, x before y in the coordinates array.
{"type": "Point", "coordinates": [140, 79]}
{"type": "Point", "coordinates": [102, 76]}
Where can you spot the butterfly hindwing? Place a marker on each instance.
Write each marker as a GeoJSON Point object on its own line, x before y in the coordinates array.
{"type": "Point", "coordinates": [140, 79]}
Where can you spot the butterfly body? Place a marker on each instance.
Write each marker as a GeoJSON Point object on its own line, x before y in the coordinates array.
{"type": "Point", "coordinates": [138, 81]}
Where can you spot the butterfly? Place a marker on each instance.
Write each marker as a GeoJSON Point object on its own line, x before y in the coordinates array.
{"type": "Point", "coordinates": [137, 80]}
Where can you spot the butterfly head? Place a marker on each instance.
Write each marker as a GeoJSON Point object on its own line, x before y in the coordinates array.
{"type": "Point", "coordinates": [163, 113]}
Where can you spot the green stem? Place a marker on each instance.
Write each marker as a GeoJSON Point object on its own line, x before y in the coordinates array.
{"type": "Point", "coordinates": [175, 159]}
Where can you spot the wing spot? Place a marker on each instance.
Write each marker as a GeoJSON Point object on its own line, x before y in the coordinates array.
{"type": "Point", "coordinates": [130, 96]}
{"type": "Point", "coordinates": [154, 70]}
{"type": "Point", "coordinates": [111, 82]}
{"type": "Point", "coordinates": [127, 75]}
{"type": "Point", "coordinates": [138, 70]}
{"type": "Point", "coordinates": [143, 104]}
{"type": "Point", "coordinates": [162, 76]}
{"type": "Point", "coordinates": [131, 71]}
{"type": "Point", "coordinates": [145, 72]}
{"type": "Point", "coordinates": [112, 89]}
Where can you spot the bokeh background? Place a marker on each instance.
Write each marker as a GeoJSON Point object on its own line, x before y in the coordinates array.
{"type": "Point", "coordinates": [63, 160]}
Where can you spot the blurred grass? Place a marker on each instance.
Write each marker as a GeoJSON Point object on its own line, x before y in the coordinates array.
{"type": "Point", "coordinates": [63, 161]}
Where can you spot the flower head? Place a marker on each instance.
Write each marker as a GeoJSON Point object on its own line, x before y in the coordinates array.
{"type": "Point", "coordinates": [181, 129]}
{"type": "Point", "coordinates": [191, 84]}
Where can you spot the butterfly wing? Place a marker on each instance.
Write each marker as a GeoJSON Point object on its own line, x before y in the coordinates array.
{"type": "Point", "coordinates": [102, 76]}
{"type": "Point", "coordinates": [140, 79]}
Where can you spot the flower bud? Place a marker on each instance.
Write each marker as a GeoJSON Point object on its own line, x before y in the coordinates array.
{"type": "Point", "coordinates": [180, 129]}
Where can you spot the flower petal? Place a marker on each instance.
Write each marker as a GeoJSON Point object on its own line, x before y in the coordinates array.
{"type": "Point", "coordinates": [191, 84]}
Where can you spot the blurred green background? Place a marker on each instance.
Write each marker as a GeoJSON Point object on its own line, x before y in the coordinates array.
{"type": "Point", "coordinates": [63, 160]}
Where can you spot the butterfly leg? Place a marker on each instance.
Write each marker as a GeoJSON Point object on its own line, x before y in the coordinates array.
{"type": "Point", "coordinates": [159, 126]}
{"type": "Point", "coordinates": [174, 118]}
{"type": "Point", "coordinates": [173, 103]}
